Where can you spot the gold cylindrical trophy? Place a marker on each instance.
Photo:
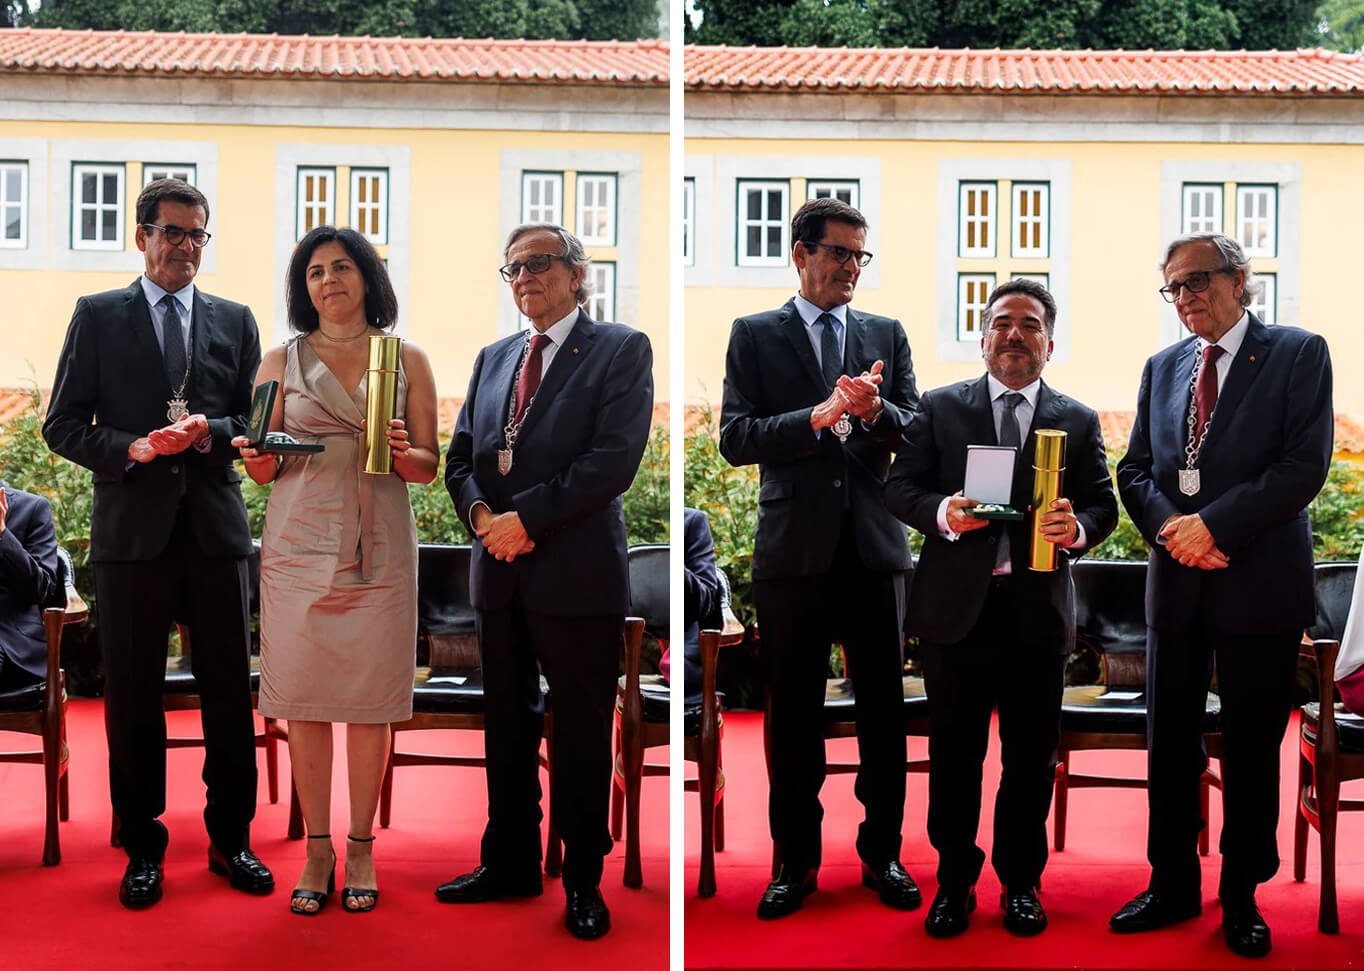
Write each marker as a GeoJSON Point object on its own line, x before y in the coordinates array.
{"type": "Point", "coordinates": [381, 401]}
{"type": "Point", "coordinates": [1048, 467]}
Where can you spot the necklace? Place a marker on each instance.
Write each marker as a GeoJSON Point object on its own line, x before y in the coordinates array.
{"type": "Point", "coordinates": [341, 340]}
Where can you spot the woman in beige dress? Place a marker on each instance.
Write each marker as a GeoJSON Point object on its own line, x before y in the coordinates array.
{"type": "Point", "coordinates": [339, 550]}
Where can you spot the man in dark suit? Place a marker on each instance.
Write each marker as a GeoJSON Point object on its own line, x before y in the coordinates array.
{"type": "Point", "coordinates": [551, 433]}
{"type": "Point", "coordinates": [1231, 442]}
{"type": "Point", "coordinates": [828, 559]}
{"type": "Point", "coordinates": [28, 583]}
{"type": "Point", "coordinates": [992, 631]}
{"type": "Point", "coordinates": [153, 382]}
{"type": "Point", "coordinates": [700, 596]}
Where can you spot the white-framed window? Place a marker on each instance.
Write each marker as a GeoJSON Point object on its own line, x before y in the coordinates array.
{"type": "Point", "coordinates": [316, 199]}
{"type": "Point", "coordinates": [689, 222]}
{"type": "Point", "coordinates": [764, 233]}
{"type": "Point", "coordinates": [973, 290]}
{"type": "Point", "coordinates": [542, 197]}
{"type": "Point", "coordinates": [1042, 278]}
{"type": "Point", "coordinates": [13, 205]}
{"type": "Point", "coordinates": [97, 207]}
{"type": "Point", "coordinates": [369, 204]}
{"type": "Point", "coordinates": [601, 305]}
{"type": "Point", "coordinates": [1257, 214]}
{"type": "Point", "coordinates": [1202, 209]}
{"type": "Point", "coordinates": [976, 219]}
{"type": "Point", "coordinates": [1265, 303]}
{"type": "Point", "coordinates": [1031, 219]}
{"type": "Point", "coordinates": [841, 189]}
{"type": "Point", "coordinates": [152, 171]}
{"type": "Point", "coordinates": [597, 209]}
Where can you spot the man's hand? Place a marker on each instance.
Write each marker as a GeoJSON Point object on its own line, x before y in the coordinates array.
{"type": "Point", "coordinates": [862, 394]}
{"type": "Point", "coordinates": [4, 510]}
{"type": "Point", "coordinates": [1187, 540]}
{"type": "Point", "coordinates": [504, 537]}
{"type": "Point", "coordinates": [829, 410]}
{"type": "Point", "coordinates": [959, 518]}
{"type": "Point", "coordinates": [140, 450]}
{"type": "Point", "coordinates": [1060, 525]}
{"type": "Point", "coordinates": [174, 439]}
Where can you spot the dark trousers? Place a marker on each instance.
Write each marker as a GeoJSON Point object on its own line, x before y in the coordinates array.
{"type": "Point", "coordinates": [800, 618]}
{"type": "Point", "coordinates": [991, 668]}
{"type": "Point", "coordinates": [1255, 678]}
{"type": "Point", "coordinates": [137, 602]}
{"type": "Point", "coordinates": [580, 657]}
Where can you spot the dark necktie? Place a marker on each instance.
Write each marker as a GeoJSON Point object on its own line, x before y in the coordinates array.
{"type": "Point", "coordinates": [1008, 427]}
{"type": "Point", "coordinates": [174, 350]}
{"type": "Point", "coordinates": [529, 381]}
{"type": "Point", "coordinates": [1205, 392]}
{"type": "Point", "coordinates": [830, 358]}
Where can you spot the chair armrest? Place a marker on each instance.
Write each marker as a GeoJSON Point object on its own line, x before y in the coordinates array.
{"type": "Point", "coordinates": [1324, 651]}
{"type": "Point", "coordinates": [53, 620]}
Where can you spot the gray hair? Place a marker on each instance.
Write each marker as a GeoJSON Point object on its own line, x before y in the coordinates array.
{"type": "Point", "coordinates": [573, 254]}
{"type": "Point", "coordinates": [1233, 258]}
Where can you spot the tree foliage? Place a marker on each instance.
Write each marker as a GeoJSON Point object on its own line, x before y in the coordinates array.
{"type": "Point", "coordinates": [1038, 24]}
{"type": "Point", "coordinates": [532, 19]}
{"type": "Point", "coordinates": [1340, 25]}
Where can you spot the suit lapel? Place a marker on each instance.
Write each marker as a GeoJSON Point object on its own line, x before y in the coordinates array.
{"type": "Point", "coordinates": [1178, 400]}
{"type": "Point", "coordinates": [567, 359]}
{"type": "Point", "coordinates": [980, 412]}
{"type": "Point", "coordinates": [794, 329]}
{"type": "Point", "coordinates": [143, 334]}
{"type": "Point", "coordinates": [1245, 367]}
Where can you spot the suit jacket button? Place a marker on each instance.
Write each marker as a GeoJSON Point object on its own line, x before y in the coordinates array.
{"type": "Point", "coordinates": [175, 470]}
{"type": "Point", "coordinates": [992, 541]}
{"type": "Point", "coordinates": [838, 483]}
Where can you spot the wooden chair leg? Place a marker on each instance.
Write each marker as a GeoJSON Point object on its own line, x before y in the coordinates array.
{"type": "Point", "coordinates": [386, 791]}
{"type": "Point", "coordinates": [632, 754]}
{"type": "Point", "coordinates": [708, 770]}
{"type": "Point", "coordinates": [720, 803]}
{"type": "Point", "coordinates": [271, 762]}
{"type": "Point", "coordinates": [295, 812]}
{"type": "Point", "coordinates": [1328, 804]}
{"type": "Point", "coordinates": [1060, 799]}
{"type": "Point", "coordinates": [1300, 820]}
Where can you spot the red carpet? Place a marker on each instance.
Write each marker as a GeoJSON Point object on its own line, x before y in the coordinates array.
{"type": "Point", "coordinates": [1104, 863]}
{"type": "Point", "coordinates": [68, 916]}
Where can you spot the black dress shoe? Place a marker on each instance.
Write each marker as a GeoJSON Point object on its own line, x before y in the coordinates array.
{"type": "Point", "coordinates": [1149, 911]}
{"type": "Point", "coordinates": [1246, 931]}
{"type": "Point", "coordinates": [141, 886]}
{"type": "Point", "coordinates": [483, 884]}
{"type": "Point", "coordinates": [243, 869]}
{"type": "Point", "coordinates": [893, 885]}
{"type": "Point", "coordinates": [586, 916]}
{"type": "Point", "coordinates": [784, 895]}
{"type": "Point", "coordinates": [1023, 913]}
{"type": "Point", "coordinates": [950, 912]}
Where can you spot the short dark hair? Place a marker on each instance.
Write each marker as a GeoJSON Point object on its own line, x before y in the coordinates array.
{"type": "Point", "coordinates": [1029, 288]}
{"type": "Point", "coordinates": [381, 303]}
{"type": "Point", "coordinates": [176, 190]}
{"type": "Point", "coordinates": [807, 225]}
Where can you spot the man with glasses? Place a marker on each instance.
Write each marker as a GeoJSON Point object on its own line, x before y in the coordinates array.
{"type": "Point", "coordinates": [153, 383]}
{"type": "Point", "coordinates": [550, 435]}
{"type": "Point", "coordinates": [1231, 442]}
{"type": "Point", "coordinates": [818, 396]}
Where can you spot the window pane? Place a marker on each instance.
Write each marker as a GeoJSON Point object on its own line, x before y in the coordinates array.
{"type": "Point", "coordinates": [12, 179]}
{"type": "Point", "coordinates": [110, 188]}
{"type": "Point", "coordinates": [89, 187]}
{"type": "Point", "coordinates": [88, 224]}
{"type": "Point", "coordinates": [754, 246]}
{"type": "Point", "coordinates": [773, 241]}
{"type": "Point", "coordinates": [110, 221]}
{"type": "Point", "coordinates": [774, 206]}
{"type": "Point", "coordinates": [11, 222]}
{"type": "Point", "coordinates": [755, 204]}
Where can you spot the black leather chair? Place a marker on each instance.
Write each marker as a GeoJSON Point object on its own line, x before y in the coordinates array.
{"type": "Point", "coordinates": [448, 690]}
{"type": "Point", "coordinates": [1110, 620]}
{"type": "Point", "coordinates": [40, 710]}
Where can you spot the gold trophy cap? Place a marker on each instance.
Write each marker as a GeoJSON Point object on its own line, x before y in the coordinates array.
{"type": "Point", "coordinates": [383, 352]}
{"type": "Point", "coordinates": [1051, 449]}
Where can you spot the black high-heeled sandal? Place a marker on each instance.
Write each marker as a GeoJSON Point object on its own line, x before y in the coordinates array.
{"type": "Point", "coordinates": [301, 897]}
{"type": "Point", "coordinates": [351, 894]}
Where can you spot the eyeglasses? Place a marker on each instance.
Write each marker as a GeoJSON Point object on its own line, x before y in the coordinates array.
{"type": "Point", "coordinates": [1194, 283]}
{"type": "Point", "coordinates": [842, 254]}
{"type": "Point", "coordinates": [538, 263]}
{"type": "Point", "coordinates": [175, 235]}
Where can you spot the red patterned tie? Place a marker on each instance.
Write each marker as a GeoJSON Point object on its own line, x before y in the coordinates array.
{"type": "Point", "coordinates": [1205, 394]}
{"type": "Point", "coordinates": [529, 381]}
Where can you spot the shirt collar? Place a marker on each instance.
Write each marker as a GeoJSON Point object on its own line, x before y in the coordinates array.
{"type": "Point", "coordinates": [558, 331]}
{"type": "Point", "coordinates": [184, 296]}
{"type": "Point", "coordinates": [1231, 340]}
{"type": "Point", "coordinates": [997, 388]}
{"type": "Point", "coordinates": [809, 313]}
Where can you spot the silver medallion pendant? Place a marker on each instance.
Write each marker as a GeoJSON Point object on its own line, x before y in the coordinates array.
{"type": "Point", "coordinates": [177, 409]}
{"type": "Point", "coordinates": [504, 461]}
{"type": "Point", "coordinates": [1188, 482]}
{"type": "Point", "coordinates": [843, 428]}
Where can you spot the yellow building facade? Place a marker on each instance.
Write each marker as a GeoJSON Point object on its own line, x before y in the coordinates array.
{"type": "Point", "coordinates": [969, 177]}
{"type": "Point", "coordinates": [433, 149]}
